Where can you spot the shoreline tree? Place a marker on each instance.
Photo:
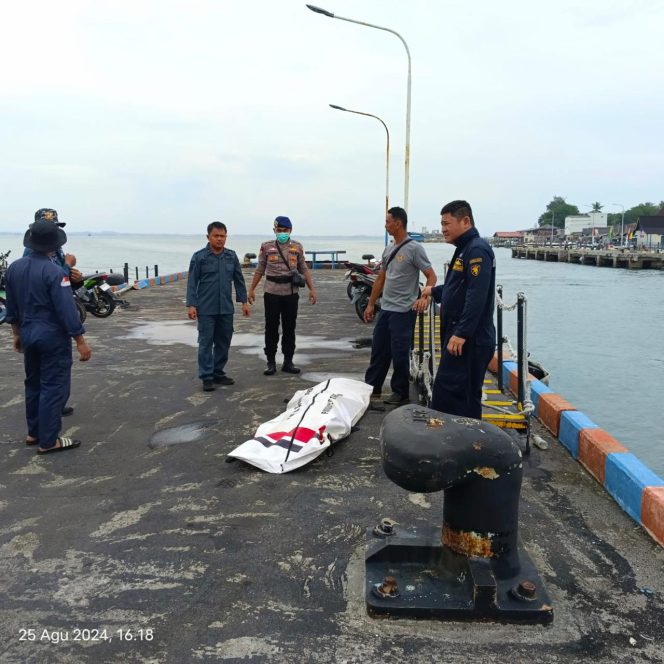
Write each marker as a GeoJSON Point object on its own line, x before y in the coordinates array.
{"type": "Point", "coordinates": [557, 209]}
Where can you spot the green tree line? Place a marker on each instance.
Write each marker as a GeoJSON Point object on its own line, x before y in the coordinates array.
{"type": "Point", "coordinates": [558, 208]}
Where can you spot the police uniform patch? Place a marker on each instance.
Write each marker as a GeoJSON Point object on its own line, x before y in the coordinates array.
{"type": "Point", "coordinates": [273, 257]}
{"type": "Point", "coordinates": [458, 265]}
{"type": "Point", "coordinates": [400, 258]}
{"type": "Point", "coordinates": [65, 282]}
{"type": "Point", "coordinates": [475, 260]}
{"type": "Point", "coordinates": [475, 269]}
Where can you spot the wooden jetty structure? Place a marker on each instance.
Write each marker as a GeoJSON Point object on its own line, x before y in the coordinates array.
{"type": "Point", "coordinates": [629, 259]}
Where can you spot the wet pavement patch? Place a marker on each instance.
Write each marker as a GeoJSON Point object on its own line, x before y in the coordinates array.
{"type": "Point", "coordinates": [185, 433]}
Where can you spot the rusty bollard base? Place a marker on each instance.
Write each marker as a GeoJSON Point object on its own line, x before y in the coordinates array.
{"type": "Point", "coordinates": [413, 575]}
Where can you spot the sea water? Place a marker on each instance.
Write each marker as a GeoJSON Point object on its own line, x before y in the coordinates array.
{"type": "Point", "coordinates": [597, 330]}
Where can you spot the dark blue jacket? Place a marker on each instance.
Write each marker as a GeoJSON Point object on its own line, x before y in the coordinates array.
{"type": "Point", "coordinates": [210, 279]}
{"type": "Point", "coordinates": [40, 300]}
{"type": "Point", "coordinates": [58, 258]}
{"type": "Point", "coordinates": [468, 295]}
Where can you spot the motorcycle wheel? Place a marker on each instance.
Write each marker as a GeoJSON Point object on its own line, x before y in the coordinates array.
{"type": "Point", "coordinates": [105, 305]}
{"type": "Point", "coordinates": [81, 309]}
{"type": "Point", "coordinates": [3, 310]}
{"type": "Point", "coordinates": [361, 305]}
{"type": "Point", "coordinates": [349, 290]}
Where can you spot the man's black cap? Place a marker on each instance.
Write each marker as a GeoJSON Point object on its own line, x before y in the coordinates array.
{"type": "Point", "coordinates": [49, 214]}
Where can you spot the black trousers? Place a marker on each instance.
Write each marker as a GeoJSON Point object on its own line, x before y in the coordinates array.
{"type": "Point", "coordinates": [457, 388]}
{"type": "Point", "coordinates": [280, 308]}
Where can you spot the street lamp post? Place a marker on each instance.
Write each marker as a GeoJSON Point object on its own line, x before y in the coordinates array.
{"type": "Point", "coordinates": [553, 218]}
{"type": "Point", "coordinates": [387, 153]}
{"type": "Point", "coordinates": [622, 223]}
{"type": "Point", "coordinates": [324, 12]}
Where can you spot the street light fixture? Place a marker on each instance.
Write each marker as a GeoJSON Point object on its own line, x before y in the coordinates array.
{"type": "Point", "coordinates": [324, 12]}
{"type": "Point", "coordinates": [387, 154]}
{"type": "Point", "coordinates": [622, 223]}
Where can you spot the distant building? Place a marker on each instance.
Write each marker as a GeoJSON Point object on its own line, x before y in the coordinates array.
{"type": "Point", "coordinates": [540, 234]}
{"type": "Point", "coordinates": [649, 231]}
{"type": "Point", "coordinates": [507, 238]}
{"type": "Point", "coordinates": [579, 222]}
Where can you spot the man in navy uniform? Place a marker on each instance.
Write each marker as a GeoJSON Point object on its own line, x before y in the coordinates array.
{"type": "Point", "coordinates": [44, 318]}
{"type": "Point", "coordinates": [66, 262]}
{"type": "Point", "coordinates": [211, 272]}
{"type": "Point", "coordinates": [468, 336]}
{"type": "Point", "coordinates": [279, 260]}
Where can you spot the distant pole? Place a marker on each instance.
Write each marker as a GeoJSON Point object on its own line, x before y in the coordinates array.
{"type": "Point", "coordinates": [622, 223]}
{"type": "Point", "coordinates": [591, 214]}
{"type": "Point", "coordinates": [553, 218]}
{"type": "Point", "coordinates": [324, 12]}
{"type": "Point", "coordinates": [387, 154]}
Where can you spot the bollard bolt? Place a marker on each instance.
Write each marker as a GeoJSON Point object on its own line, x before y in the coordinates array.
{"type": "Point", "coordinates": [385, 528]}
{"type": "Point", "coordinates": [388, 588]}
{"type": "Point", "coordinates": [526, 591]}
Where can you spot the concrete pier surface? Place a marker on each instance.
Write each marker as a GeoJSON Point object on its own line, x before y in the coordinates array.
{"type": "Point", "coordinates": [167, 553]}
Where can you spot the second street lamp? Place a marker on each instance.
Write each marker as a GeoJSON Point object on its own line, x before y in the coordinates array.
{"type": "Point", "coordinates": [387, 154]}
{"type": "Point", "coordinates": [324, 12]}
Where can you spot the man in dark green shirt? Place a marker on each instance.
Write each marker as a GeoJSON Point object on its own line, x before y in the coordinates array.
{"type": "Point", "coordinates": [209, 301]}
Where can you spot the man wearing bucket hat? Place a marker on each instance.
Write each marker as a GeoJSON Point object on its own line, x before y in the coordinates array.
{"type": "Point", "coordinates": [65, 262]}
{"type": "Point", "coordinates": [282, 262]}
{"type": "Point", "coordinates": [44, 319]}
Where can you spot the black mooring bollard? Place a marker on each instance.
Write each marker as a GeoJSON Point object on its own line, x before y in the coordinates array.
{"type": "Point", "coordinates": [126, 273]}
{"type": "Point", "coordinates": [156, 270]}
{"type": "Point", "coordinates": [479, 569]}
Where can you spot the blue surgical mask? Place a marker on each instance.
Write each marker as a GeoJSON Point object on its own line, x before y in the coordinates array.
{"type": "Point", "coordinates": [282, 238]}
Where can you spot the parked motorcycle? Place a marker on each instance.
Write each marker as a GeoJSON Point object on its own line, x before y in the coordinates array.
{"type": "Point", "coordinates": [96, 296]}
{"type": "Point", "coordinates": [3, 296]}
{"type": "Point", "coordinates": [362, 286]}
{"type": "Point", "coordinates": [355, 269]}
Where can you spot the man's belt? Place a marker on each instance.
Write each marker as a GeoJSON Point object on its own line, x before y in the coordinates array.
{"type": "Point", "coordinates": [287, 279]}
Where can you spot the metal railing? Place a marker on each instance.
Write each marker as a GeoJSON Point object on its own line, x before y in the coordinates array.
{"type": "Point", "coordinates": [423, 363]}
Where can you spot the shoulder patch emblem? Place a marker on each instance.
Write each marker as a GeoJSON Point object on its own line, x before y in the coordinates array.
{"type": "Point", "coordinates": [475, 260]}
{"type": "Point", "coordinates": [475, 269]}
{"type": "Point", "coordinates": [65, 282]}
{"type": "Point", "coordinates": [400, 258]}
{"type": "Point", "coordinates": [458, 265]}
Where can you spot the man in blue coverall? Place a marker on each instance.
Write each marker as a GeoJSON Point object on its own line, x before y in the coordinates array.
{"type": "Point", "coordinates": [44, 319]}
{"type": "Point", "coordinates": [66, 262]}
{"type": "Point", "coordinates": [467, 333]}
{"type": "Point", "coordinates": [211, 272]}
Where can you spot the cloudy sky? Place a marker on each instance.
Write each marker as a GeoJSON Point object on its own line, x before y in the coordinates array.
{"type": "Point", "coordinates": [149, 116]}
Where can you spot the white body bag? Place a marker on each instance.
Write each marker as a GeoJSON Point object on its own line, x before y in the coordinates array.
{"type": "Point", "coordinates": [314, 419]}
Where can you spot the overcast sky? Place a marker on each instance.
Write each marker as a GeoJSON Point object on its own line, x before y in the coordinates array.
{"type": "Point", "coordinates": [161, 116]}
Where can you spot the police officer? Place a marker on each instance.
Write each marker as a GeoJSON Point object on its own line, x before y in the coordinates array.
{"type": "Point", "coordinates": [468, 336]}
{"type": "Point", "coordinates": [44, 318]}
{"type": "Point", "coordinates": [281, 261]}
{"type": "Point", "coordinates": [66, 262]}
{"type": "Point", "coordinates": [211, 272]}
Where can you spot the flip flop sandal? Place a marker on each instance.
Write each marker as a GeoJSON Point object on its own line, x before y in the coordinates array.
{"type": "Point", "coordinates": [65, 444]}
{"type": "Point", "coordinates": [32, 442]}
